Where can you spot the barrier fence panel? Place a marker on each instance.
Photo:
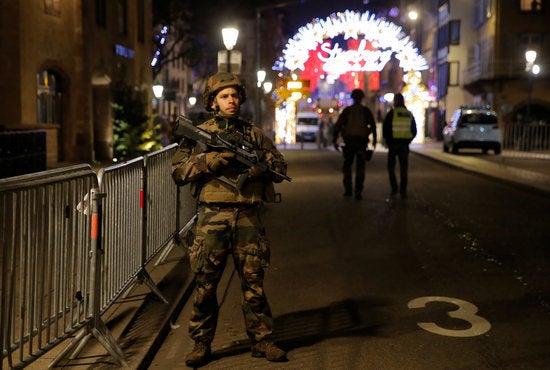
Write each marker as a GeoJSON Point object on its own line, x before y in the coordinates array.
{"type": "Point", "coordinates": [122, 225]}
{"type": "Point", "coordinates": [45, 261]}
{"type": "Point", "coordinates": [527, 138]}
{"type": "Point", "coordinates": [73, 242]}
{"type": "Point", "coordinates": [162, 201]}
{"type": "Point", "coordinates": [186, 209]}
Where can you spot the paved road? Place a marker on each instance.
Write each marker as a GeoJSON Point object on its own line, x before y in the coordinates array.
{"type": "Point", "coordinates": [351, 282]}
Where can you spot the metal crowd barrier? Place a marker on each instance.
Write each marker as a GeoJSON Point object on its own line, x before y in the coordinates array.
{"type": "Point", "coordinates": [46, 267]}
{"type": "Point", "coordinates": [73, 242]}
{"type": "Point", "coordinates": [162, 197]}
{"type": "Point", "coordinates": [527, 138]}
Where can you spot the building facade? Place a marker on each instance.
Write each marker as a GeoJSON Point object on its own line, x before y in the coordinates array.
{"type": "Point", "coordinates": [477, 51]}
{"type": "Point", "coordinates": [60, 59]}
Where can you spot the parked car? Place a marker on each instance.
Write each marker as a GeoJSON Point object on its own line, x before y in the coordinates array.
{"type": "Point", "coordinates": [473, 127]}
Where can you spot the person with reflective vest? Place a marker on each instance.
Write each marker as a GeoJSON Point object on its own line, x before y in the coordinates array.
{"type": "Point", "coordinates": [398, 130]}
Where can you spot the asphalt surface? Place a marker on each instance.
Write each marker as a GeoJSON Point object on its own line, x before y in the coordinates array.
{"type": "Point", "coordinates": [141, 323]}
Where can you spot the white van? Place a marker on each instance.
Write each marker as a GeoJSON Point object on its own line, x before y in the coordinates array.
{"type": "Point", "coordinates": [307, 126]}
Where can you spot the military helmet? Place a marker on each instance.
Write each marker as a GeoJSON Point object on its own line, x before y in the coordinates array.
{"type": "Point", "coordinates": [357, 94]}
{"type": "Point", "coordinates": [220, 81]}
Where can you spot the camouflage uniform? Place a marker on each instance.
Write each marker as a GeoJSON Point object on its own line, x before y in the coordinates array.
{"type": "Point", "coordinates": [228, 223]}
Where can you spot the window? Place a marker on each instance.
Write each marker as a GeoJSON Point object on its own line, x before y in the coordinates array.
{"type": "Point", "coordinates": [482, 10]}
{"type": "Point", "coordinates": [531, 5]}
{"type": "Point", "coordinates": [49, 97]}
{"type": "Point", "coordinates": [448, 34]}
{"type": "Point", "coordinates": [442, 80]}
{"type": "Point", "coordinates": [529, 41]}
{"type": "Point", "coordinates": [101, 13]}
{"type": "Point", "coordinates": [141, 21]}
{"type": "Point", "coordinates": [454, 32]}
{"type": "Point", "coordinates": [122, 17]}
{"type": "Point", "coordinates": [473, 54]}
{"type": "Point", "coordinates": [479, 118]}
{"type": "Point", "coordinates": [443, 36]}
{"type": "Point", "coordinates": [453, 73]}
{"type": "Point", "coordinates": [52, 7]}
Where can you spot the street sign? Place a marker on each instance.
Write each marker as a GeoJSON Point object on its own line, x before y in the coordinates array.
{"type": "Point", "coordinates": [235, 63]}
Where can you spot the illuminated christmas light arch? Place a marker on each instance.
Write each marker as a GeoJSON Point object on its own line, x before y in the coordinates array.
{"type": "Point", "coordinates": [379, 41]}
{"type": "Point", "coordinates": [370, 43]}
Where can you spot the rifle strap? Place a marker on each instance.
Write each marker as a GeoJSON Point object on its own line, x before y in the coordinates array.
{"type": "Point", "coordinates": [252, 135]}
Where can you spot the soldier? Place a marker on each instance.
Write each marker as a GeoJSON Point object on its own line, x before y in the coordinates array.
{"type": "Point", "coordinates": [355, 124]}
{"type": "Point", "coordinates": [228, 221]}
{"type": "Point", "coordinates": [398, 129]}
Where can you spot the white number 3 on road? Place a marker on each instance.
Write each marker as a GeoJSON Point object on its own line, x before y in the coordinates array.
{"type": "Point", "coordinates": [466, 311]}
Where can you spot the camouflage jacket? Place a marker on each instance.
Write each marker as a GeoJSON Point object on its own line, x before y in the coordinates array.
{"type": "Point", "coordinates": [189, 167]}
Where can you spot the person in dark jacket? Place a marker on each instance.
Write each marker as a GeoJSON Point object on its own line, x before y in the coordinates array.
{"type": "Point", "coordinates": [355, 124]}
{"type": "Point", "coordinates": [398, 130]}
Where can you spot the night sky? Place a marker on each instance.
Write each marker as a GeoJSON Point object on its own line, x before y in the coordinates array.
{"type": "Point", "coordinates": [296, 13]}
{"type": "Point", "coordinates": [303, 12]}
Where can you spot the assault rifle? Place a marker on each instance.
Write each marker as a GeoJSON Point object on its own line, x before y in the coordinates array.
{"type": "Point", "coordinates": [233, 142]}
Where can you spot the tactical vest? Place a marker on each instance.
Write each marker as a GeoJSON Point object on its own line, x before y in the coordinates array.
{"type": "Point", "coordinates": [401, 124]}
{"type": "Point", "coordinates": [216, 191]}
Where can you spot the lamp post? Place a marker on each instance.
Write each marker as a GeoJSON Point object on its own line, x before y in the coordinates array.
{"type": "Point", "coordinates": [260, 74]}
{"type": "Point", "coordinates": [230, 36]}
{"type": "Point", "coordinates": [532, 69]}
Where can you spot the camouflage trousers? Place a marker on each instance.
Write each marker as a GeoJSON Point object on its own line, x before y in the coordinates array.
{"type": "Point", "coordinates": [221, 232]}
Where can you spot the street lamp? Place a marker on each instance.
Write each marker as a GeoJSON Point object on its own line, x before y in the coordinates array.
{"type": "Point", "coordinates": [532, 69]}
{"type": "Point", "coordinates": [230, 36]}
{"type": "Point", "coordinates": [261, 77]}
{"type": "Point", "coordinates": [413, 15]}
{"type": "Point", "coordinates": [157, 91]}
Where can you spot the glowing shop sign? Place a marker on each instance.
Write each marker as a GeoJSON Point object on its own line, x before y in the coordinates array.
{"type": "Point", "coordinates": [386, 38]}
{"type": "Point", "coordinates": [362, 59]}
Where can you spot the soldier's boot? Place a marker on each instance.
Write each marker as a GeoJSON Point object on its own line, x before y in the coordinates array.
{"type": "Point", "coordinates": [269, 350]}
{"type": "Point", "coordinates": [199, 355]}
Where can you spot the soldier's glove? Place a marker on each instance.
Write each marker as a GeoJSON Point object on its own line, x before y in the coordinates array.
{"type": "Point", "coordinates": [218, 160]}
{"type": "Point", "coordinates": [279, 167]}
{"type": "Point", "coordinates": [255, 172]}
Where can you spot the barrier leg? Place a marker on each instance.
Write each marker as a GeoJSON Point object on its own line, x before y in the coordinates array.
{"type": "Point", "coordinates": [182, 238]}
{"type": "Point", "coordinates": [95, 327]}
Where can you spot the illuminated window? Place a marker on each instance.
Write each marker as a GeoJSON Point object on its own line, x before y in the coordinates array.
{"type": "Point", "coordinates": [531, 5]}
{"type": "Point", "coordinates": [49, 97]}
{"type": "Point", "coordinates": [52, 7]}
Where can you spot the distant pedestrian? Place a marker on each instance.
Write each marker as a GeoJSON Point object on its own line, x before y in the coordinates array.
{"type": "Point", "coordinates": [324, 132]}
{"type": "Point", "coordinates": [355, 124]}
{"type": "Point", "coordinates": [398, 129]}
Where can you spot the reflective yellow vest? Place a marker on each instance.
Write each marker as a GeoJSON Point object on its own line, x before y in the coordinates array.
{"type": "Point", "coordinates": [401, 124]}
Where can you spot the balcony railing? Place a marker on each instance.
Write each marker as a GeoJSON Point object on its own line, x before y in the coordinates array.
{"type": "Point", "coordinates": [493, 70]}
